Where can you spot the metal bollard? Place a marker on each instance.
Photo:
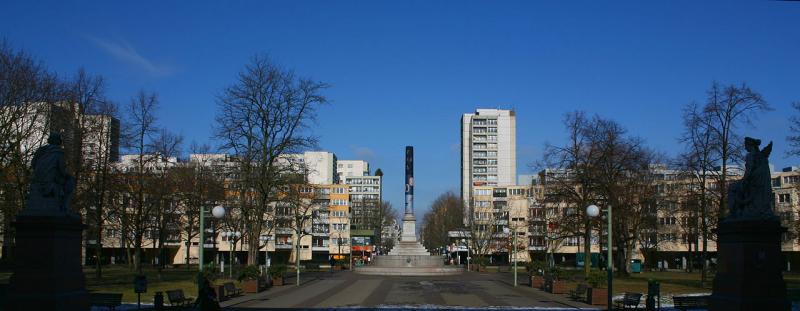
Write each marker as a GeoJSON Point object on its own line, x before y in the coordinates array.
{"type": "Point", "coordinates": [158, 301]}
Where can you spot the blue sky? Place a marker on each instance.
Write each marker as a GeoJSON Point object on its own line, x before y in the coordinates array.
{"type": "Point", "coordinates": [402, 73]}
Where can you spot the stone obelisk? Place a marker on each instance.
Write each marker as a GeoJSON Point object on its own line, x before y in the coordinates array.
{"type": "Point", "coordinates": [409, 221]}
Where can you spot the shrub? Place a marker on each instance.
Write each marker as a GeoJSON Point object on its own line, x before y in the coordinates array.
{"type": "Point", "coordinates": [276, 270]}
{"type": "Point", "coordinates": [597, 279]}
{"type": "Point", "coordinates": [555, 272]}
{"type": "Point", "coordinates": [535, 267]}
{"type": "Point", "coordinates": [249, 273]}
{"type": "Point", "coordinates": [481, 261]}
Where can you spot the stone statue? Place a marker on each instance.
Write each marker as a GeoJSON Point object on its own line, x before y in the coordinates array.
{"type": "Point", "coordinates": [751, 197]}
{"type": "Point", "coordinates": [51, 186]}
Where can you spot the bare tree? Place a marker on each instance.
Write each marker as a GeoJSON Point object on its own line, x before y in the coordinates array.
{"type": "Point", "coordinates": [166, 148]}
{"type": "Point", "coordinates": [263, 115]}
{"type": "Point", "coordinates": [698, 162]}
{"type": "Point", "coordinates": [199, 181]}
{"type": "Point", "coordinates": [445, 215]}
{"type": "Point", "coordinates": [794, 128]}
{"type": "Point", "coordinates": [27, 90]}
{"type": "Point", "coordinates": [729, 107]}
{"type": "Point", "coordinates": [569, 179]}
{"type": "Point", "coordinates": [139, 130]}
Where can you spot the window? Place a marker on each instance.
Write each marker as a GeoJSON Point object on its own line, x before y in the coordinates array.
{"type": "Point", "coordinates": [338, 190]}
{"type": "Point", "coordinates": [791, 179]}
{"type": "Point", "coordinates": [483, 192]}
{"type": "Point", "coordinates": [339, 227]}
{"type": "Point", "coordinates": [785, 198]}
{"type": "Point", "coordinates": [492, 130]}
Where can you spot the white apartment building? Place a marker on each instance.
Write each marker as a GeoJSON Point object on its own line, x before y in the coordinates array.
{"type": "Point", "coordinates": [319, 165]}
{"type": "Point", "coordinates": [488, 152]}
{"type": "Point", "coordinates": [349, 168]}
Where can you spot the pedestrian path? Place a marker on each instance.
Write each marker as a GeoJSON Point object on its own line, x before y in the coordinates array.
{"type": "Point", "coordinates": [349, 290]}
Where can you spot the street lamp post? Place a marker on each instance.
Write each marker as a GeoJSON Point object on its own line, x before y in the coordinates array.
{"type": "Point", "coordinates": [513, 251]}
{"type": "Point", "coordinates": [265, 239]}
{"type": "Point", "coordinates": [594, 211]}
{"type": "Point", "coordinates": [231, 235]}
{"type": "Point", "coordinates": [218, 212]}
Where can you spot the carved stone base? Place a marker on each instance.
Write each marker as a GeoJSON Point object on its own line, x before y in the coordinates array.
{"type": "Point", "coordinates": [47, 270]}
{"type": "Point", "coordinates": [749, 267]}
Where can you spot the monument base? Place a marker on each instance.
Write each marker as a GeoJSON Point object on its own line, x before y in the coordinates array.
{"type": "Point", "coordinates": [47, 265]}
{"type": "Point", "coordinates": [749, 268]}
{"type": "Point", "coordinates": [409, 257]}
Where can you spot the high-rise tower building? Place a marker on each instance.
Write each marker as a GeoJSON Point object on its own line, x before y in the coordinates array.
{"type": "Point", "coordinates": [488, 152]}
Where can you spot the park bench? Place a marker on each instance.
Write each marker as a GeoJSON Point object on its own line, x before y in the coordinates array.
{"type": "Point", "coordinates": [105, 300]}
{"type": "Point", "coordinates": [176, 298]}
{"type": "Point", "coordinates": [579, 292]}
{"type": "Point", "coordinates": [629, 300]}
{"type": "Point", "coordinates": [231, 290]}
{"type": "Point", "coordinates": [690, 302]}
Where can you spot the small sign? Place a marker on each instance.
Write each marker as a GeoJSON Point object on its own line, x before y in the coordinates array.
{"type": "Point", "coordinates": [140, 284]}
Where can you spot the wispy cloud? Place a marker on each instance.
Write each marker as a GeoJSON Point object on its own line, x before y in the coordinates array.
{"type": "Point", "coordinates": [125, 52]}
{"type": "Point", "coordinates": [363, 153]}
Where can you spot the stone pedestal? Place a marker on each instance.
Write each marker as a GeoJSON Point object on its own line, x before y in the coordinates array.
{"type": "Point", "coordinates": [749, 267]}
{"type": "Point", "coordinates": [47, 265]}
{"type": "Point", "coordinates": [409, 229]}
{"type": "Point", "coordinates": [409, 257]}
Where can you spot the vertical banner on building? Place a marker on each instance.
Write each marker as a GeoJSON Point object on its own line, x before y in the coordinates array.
{"type": "Point", "coordinates": [409, 180]}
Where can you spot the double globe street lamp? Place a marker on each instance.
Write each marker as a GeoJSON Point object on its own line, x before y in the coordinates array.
{"type": "Point", "coordinates": [231, 235]}
{"type": "Point", "coordinates": [594, 211]}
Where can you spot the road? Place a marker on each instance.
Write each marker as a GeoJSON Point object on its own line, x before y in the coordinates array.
{"type": "Point", "coordinates": [344, 289]}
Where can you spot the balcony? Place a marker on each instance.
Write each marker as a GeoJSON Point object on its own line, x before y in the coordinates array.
{"type": "Point", "coordinates": [536, 248]}
{"type": "Point", "coordinates": [320, 233]}
{"type": "Point", "coordinates": [289, 231]}
{"type": "Point", "coordinates": [284, 246]}
{"type": "Point", "coordinates": [320, 249]}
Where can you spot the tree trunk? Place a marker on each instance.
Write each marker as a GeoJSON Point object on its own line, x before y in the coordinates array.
{"type": "Point", "coordinates": [98, 252]}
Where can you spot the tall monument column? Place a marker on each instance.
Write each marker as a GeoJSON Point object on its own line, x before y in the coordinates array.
{"type": "Point", "coordinates": [409, 222]}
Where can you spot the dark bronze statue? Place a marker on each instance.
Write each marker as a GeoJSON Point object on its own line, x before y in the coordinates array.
{"type": "Point", "coordinates": [751, 197]}
{"type": "Point", "coordinates": [51, 186]}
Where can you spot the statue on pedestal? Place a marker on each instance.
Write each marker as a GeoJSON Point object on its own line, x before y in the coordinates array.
{"type": "Point", "coordinates": [51, 186]}
{"type": "Point", "coordinates": [751, 197]}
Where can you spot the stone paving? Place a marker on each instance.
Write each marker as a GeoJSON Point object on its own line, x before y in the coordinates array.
{"type": "Point", "coordinates": [345, 289]}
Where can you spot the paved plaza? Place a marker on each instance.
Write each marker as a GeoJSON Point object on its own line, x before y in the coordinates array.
{"type": "Point", "coordinates": [344, 289]}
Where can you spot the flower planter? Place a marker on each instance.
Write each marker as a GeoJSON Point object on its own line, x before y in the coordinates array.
{"type": "Point", "coordinates": [537, 281]}
{"type": "Point", "coordinates": [277, 281]}
{"type": "Point", "coordinates": [597, 296]}
{"type": "Point", "coordinates": [559, 287]}
{"type": "Point", "coordinates": [251, 286]}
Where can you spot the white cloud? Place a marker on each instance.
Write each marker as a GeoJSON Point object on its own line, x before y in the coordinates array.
{"type": "Point", "coordinates": [125, 52]}
{"type": "Point", "coordinates": [363, 153]}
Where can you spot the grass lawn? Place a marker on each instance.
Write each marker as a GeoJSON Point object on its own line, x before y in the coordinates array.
{"type": "Point", "coordinates": [676, 283]}
{"type": "Point", "coordinates": [119, 279]}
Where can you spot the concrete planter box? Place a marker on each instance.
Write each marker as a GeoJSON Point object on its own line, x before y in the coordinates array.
{"type": "Point", "coordinates": [558, 287]}
{"type": "Point", "coordinates": [597, 296]}
{"type": "Point", "coordinates": [537, 281]}
{"type": "Point", "coordinates": [251, 286]}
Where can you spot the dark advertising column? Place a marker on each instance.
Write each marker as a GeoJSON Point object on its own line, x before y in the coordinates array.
{"type": "Point", "coordinates": [409, 180]}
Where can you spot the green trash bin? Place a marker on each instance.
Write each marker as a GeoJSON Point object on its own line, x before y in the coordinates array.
{"type": "Point", "coordinates": [636, 266]}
